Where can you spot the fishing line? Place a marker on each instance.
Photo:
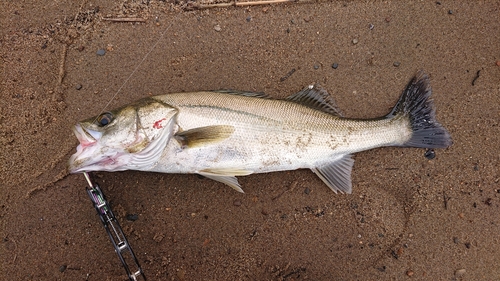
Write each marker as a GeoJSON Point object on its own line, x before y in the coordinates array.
{"type": "Point", "coordinates": [113, 228]}
{"type": "Point", "coordinates": [138, 65]}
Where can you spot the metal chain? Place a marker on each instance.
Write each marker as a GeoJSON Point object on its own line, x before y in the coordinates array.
{"type": "Point", "coordinates": [115, 233]}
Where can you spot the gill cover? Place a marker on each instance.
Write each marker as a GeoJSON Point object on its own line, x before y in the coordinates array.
{"type": "Point", "coordinates": [154, 119]}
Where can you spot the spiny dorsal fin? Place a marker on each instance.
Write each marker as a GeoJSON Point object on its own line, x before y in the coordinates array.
{"type": "Point", "coordinates": [314, 96]}
{"type": "Point", "coordinates": [204, 135]}
{"type": "Point", "coordinates": [244, 93]}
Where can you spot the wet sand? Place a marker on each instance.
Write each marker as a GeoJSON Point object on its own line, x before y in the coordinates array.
{"type": "Point", "coordinates": [408, 217]}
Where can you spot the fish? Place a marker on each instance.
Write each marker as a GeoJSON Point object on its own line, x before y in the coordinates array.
{"type": "Point", "coordinates": [225, 134]}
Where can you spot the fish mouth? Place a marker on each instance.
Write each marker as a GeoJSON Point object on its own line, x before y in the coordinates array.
{"type": "Point", "coordinates": [85, 136]}
{"type": "Point", "coordinates": [83, 160]}
{"type": "Point", "coordinates": [97, 152]}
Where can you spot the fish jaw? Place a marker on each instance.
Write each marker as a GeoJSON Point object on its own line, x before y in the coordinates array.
{"type": "Point", "coordinates": [91, 155]}
{"type": "Point", "coordinates": [86, 137]}
{"type": "Point", "coordinates": [96, 152]}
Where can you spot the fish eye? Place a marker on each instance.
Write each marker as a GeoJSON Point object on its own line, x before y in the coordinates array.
{"type": "Point", "coordinates": [104, 119]}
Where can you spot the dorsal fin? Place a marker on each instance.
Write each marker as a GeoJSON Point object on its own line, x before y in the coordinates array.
{"type": "Point", "coordinates": [244, 93]}
{"type": "Point", "coordinates": [314, 96]}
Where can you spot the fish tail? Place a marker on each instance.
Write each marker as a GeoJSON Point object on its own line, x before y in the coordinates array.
{"type": "Point", "coordinates": [416, 104]}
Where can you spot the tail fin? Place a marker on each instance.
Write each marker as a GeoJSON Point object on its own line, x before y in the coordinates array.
{"type": "Point", "coordinates": [415, 103]}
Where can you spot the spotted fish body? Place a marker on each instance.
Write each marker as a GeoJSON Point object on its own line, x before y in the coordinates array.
{"type": "Point", "coordinates": [226, 134]}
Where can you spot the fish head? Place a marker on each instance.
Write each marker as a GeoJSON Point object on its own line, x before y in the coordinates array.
{"type": "Point", "coordinates": [128, 138]}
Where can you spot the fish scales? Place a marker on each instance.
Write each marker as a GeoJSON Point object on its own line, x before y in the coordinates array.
{"type": "Point", "coordinates": [226, 134]}
{"type": "Point", "coordinates": [292, 132]}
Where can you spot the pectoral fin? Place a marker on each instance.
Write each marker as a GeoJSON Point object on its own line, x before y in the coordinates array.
{"type": "Point", "coordinates": [226, 176]}
{"type": "Point", "coordinates": [204, 135]}
{"type": "Point", "coordinates": [336, 174]}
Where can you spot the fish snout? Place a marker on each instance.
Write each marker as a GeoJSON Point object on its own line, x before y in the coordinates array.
{"type": "Point", "coordinates": [86, 137]}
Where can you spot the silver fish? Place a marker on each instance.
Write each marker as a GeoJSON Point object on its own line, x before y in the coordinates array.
{"type": "Point", "coordinates": [224, 134]}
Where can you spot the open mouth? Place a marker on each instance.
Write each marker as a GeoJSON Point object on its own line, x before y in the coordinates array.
{"type": "Point", "coordinates": [88, 139]}
{"type": "Point", "coordinates": [85, 136]}
{"type": "Point", "coordinates": [91, 155]}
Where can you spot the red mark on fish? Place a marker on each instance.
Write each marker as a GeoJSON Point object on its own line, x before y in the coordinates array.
{"type": "Point", "coordinates": [157, 124]}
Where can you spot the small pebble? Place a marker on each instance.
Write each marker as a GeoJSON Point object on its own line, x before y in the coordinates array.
{"type": "Point", "coordinates": [498, 62]}
{"type": "Point", "coordinates": [307, 190]}
{"type": "Point", "coordinates": [132, 217]}
{"type": "Point", "coordinates": [237, 203]}
{"type": "Point", "coordinates": [460, 272]}
{"type": "Point", "coordinates": [78, 86]}
{"type": "Point", "coordinates": [410, 273]}
{"type": "Point", "coordinates": [400, 252]}
{"type": "Point", "coordinates": [355, 41]}
{"type": "Point", "coordinates": [456, 240]}
{"type": "Point", "coordinates": [217, 28]}
{"type": "Point", "coordinates": [430, 154]}
{"type": "Point", "coordinates": [387, 19]}
{"type": "Point", "coordinates": [371, 26]}
{"type": "Point", "coordinates": [101, 52]}
{"type": "Point", "coordinates": [450, 12]}
{"type": "Point", "coordinates": [63, 268]}
{"type": "Point", "coordinates": [467, 245]}
{"type": "Point", "coordinates": [249, 19]}
{"type": "Point", "coordinates": [335, 65]}
{"type": "Point", "coordinates": [316, 67]}
{"type": "Point", "coordinates": [181, 274]}
{"type": "Point", "coordinates": [158, 237]}
{"type": "Point", "coordinates": [396, 63]}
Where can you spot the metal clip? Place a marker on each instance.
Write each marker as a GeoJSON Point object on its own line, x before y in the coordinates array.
{"type": "Point", "coordinates": [115, 232]}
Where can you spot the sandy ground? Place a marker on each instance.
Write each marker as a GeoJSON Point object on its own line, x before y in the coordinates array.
{"type": "Point", "coordinates": [408, 217]}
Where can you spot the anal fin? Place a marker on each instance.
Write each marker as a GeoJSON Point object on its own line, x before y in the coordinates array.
{"type": "Point", "coordinates": [336, 174]}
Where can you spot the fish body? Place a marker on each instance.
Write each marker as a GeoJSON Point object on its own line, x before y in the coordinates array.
{"type": "Point", "coordinates": [224, 134]}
